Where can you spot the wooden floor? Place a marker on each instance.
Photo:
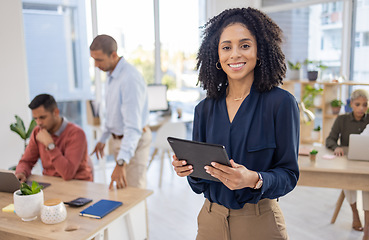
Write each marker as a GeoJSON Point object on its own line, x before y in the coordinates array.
{"type": "Point", "coordinates": [173, 209]}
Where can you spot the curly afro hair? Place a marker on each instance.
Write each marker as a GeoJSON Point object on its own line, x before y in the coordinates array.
{"type": "Point", "coordinates": [268, 73]}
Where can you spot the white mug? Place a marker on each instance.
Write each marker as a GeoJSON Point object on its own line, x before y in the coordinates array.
{"type": "Point", "coordinates": [53, 211]}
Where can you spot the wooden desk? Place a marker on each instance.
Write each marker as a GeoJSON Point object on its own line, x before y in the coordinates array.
{"type": "Point", "coordinates": [126, 222]}
{"type": "Point", "coordinates": [333, 173]}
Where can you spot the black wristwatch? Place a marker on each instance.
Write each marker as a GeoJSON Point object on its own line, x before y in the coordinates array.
{"type": "Point", "coordinates": [120, 162]}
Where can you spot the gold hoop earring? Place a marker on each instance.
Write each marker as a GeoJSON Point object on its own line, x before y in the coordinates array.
{"type": "Point", "coordinates": [216, 65]}
{"type": "Point", "coordinates": [259, 63]}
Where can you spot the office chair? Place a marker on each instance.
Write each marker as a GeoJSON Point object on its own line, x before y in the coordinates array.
{"type": "Point", "coordinates": [168, 129]}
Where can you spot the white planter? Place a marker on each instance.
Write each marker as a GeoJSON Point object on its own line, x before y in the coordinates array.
{"type": "Point", "coordinates": [318, 101]}
{"type": "Point", "coordinates": [315, 135]}
{"type": "Point", "coordinates": [28, 207]}
{"type": "Point", "coordinates": [53, 211]}
{"type": "Point", "coordinates": [295, 74]}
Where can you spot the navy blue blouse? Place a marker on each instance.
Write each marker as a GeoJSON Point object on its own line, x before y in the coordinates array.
{"type": "Point", "coordinates": [263, 136]}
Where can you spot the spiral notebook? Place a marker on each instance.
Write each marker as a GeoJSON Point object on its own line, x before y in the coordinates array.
{"type": "Point", "coordinates": [100, 209]}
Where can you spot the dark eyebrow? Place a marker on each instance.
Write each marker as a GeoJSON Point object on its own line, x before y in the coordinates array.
{"type": "Point", "coordinates": [246, 40]}
{"type": "Point", "coordinates": [242, 40]}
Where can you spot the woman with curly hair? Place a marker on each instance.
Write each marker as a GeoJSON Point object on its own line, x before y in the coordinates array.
{"type": "Point", "coordinates": [241, 66]}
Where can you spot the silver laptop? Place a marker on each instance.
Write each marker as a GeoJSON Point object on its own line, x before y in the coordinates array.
{"type": "Point", "coordinates": [358, 147]}
{"type": "Point", "coordinates": [8, 181]}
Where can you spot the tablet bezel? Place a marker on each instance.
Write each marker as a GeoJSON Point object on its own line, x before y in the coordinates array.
{"type": "Point", "coordinates": [199, 155]}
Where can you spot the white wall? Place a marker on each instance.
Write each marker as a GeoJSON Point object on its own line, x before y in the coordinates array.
{"type": "Point", "coordinates": [14, 93]}
{"type": "Point", "coordinates": [215, 7]}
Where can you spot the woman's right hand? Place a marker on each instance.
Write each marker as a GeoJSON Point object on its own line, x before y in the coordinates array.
{"type": "Point", "coordinates": [181, 168]}
{"type": "Point", "coordinates": [339, 151]}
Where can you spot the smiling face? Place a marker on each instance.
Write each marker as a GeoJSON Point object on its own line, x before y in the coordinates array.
{"type": "Point", "coordinates": [237, 51]}
{"type": "Point", "coordinates": [359, 107]}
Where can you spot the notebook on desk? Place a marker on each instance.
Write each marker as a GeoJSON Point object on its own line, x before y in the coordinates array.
{"type": "Point", "coordinates": [100, 209]}
{"type": "Point", "coordinates": [358, 147]}
{"type": "Point", "coordinates": [10, 183]}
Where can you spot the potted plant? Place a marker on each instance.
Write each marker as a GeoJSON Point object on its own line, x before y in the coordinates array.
{"type": "Point", "coordinates": [19, 128]}
{"type": "Point", "coordinates": [313, 67]}
{"type": "Point", "coordinates": [315, 134]}
{"type": "Point", "coordinates": [312, 155]}
{"type": "Point", "coordinates": [336, 105]}
{"type": "Point", "coordinates": [310, 93]}
{"type": "Point", "coordinates": [28, 201]}
{"type": "Point", "coordinates": [295, 70]}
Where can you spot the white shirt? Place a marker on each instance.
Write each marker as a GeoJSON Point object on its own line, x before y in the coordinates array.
{"type": "Point", "coordinates": [126, 107]}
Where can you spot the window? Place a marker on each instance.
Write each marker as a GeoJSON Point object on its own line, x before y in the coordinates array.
{"type": "Point", "coordinates": [133, 28]}
{"type": "Point", "coordinates": [365, 39]}
{"type": "Point", "coordinates": [55, 37]}
{"type": "Point", "coordinates": [314, 33]}
{"type": "Point", "coordinates": [359, 63]}
{"type": "Point", "coordinates": [179, 33]}
{"type": "Point", "coordinates": [131, 24]}
{"type": "Point", "coordinates": [357, 39]}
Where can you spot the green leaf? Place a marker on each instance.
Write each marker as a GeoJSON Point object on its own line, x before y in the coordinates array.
{"type": "Point", "coordinates": [313, 151]}
{"type": "Point", "coordinates": [25, 189]}
{"type": "Point", "coordinates": [32, 125]}
{"type": "Point", "coordinates": [293, 66]}
{"type": "Point", "coordinates": [29, 190]}
{"type": "Point", "coordinates": [34, 186]}
{"type": "Point", "coordinates": [17, 130]}
{"type": "Point", "coordinates": [26, 192]}
{"type": "Point", "coordinates": [20, 123]}
{"type": "Point", "coordinates": [18, 127]}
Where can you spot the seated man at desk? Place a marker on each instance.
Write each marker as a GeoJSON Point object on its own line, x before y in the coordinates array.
{"type": "Point", "coordinates": [61, 145]}
{"type": "Point", "coordinates": [344, 125]}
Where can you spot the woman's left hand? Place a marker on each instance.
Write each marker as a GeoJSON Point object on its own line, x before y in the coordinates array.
{"type": "Point", "coordinates": [235, 177]}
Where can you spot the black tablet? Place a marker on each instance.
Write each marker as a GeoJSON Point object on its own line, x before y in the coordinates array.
{"type": "Point", "coordinates": [199, 155]}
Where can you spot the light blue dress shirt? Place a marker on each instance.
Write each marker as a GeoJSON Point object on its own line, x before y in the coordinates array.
{"type": "Point", "coordinates": [126, 107]}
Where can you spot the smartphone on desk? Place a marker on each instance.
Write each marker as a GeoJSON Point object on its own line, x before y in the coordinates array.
{"type": "Point", "coordinates": [78, 202]}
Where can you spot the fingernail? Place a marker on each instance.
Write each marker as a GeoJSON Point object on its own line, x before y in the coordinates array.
{"type": "Point", "coordinates": [213, 163]}
{"type": "Point", "coordinates": [183, 162]}
{"type": "Point", "coordinates": [206, 168]}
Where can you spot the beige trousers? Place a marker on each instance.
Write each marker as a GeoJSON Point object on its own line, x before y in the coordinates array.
{"type": "Point", "coordinates": [351, 196]}
{"type": "Point", "coordinates": [136, 168]}
{"type": "Point", "coordinates": [261, 221]}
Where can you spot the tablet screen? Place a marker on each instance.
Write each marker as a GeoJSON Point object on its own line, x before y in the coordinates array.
{"type": "Point", "coordinates": [199, 155]}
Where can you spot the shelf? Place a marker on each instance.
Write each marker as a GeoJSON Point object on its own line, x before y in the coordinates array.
{"type": "Point", "coordinates": [306, 81]}
{"type": "Point", "coordinates": [310, 141]}
{"type": "Point", "coordinates": [331, 90]}
{"type": "Point", "coordinates": [330, 115]}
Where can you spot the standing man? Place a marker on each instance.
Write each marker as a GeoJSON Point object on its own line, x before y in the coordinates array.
{"type": "Point", "coordinates": [61, 145]}
{"type": "Point", "coordinates": [127, 115]}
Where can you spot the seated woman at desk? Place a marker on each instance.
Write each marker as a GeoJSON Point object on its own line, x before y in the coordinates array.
{"type": "Point", "coordinates": [344, 125]}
